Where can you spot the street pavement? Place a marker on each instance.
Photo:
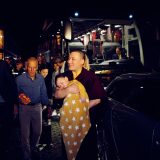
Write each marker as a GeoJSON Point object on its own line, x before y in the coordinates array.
{"type": "Point", "coordinates": [50, 147]}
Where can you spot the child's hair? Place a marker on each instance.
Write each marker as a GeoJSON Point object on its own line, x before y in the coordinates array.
{"type": "Point", "coordinates": [43, 66]}
{"type": "Point", "coordinates": [60, 75]}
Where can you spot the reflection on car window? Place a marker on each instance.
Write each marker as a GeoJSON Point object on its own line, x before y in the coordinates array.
{"type": "Point", "coordinates": [142, 95]}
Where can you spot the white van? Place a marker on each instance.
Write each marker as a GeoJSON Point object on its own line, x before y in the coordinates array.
{"type": "Point", "coordinates": [75, 45]}
{"type": "Point", "coordinates": [105, 31]}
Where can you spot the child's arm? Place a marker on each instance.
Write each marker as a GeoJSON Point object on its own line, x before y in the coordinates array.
{"type": "Point", "coordinates": [62, 93]}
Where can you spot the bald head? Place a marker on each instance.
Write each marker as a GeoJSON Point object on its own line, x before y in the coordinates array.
{"type": "Point", "coordinates": [32, 66]}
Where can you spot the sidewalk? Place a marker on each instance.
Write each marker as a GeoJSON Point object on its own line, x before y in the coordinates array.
{"type": "Point", "coordinates": [51, 152]}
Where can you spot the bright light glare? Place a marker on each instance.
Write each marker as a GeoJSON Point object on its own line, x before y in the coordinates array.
{"type": "Point", "coordinates": [130, 16]}
{"type": "Point", "coordinates": [76, 14]}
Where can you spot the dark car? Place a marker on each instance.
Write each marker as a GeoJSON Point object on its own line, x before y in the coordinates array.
{"type": "Point", "coordinates": [109, 69]}
{"type": "Point", "coordinates": [132, 119]}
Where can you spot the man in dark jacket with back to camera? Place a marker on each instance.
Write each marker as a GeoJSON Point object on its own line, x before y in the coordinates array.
{"type": "Point", "coordinates": [8, 97]}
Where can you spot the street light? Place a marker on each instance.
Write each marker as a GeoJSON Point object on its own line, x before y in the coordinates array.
{"type": "Point", "coordinates": [76, 14]}
{"type": "Point", "coordinates": [130, 16]}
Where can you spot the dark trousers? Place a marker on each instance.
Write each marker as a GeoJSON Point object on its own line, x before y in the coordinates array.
{"type": "Point", "coordinates": [88, 149]}
{"type": "Point", "coordinates": [6, 118]}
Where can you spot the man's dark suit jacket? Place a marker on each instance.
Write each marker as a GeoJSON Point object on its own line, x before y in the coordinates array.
{"type": "Point", "coordinates": [8, 88]}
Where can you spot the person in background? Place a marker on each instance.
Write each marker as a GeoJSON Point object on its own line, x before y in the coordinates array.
{"type": "Point", "coordinates": [32, 95]}
{"type": "Point", "coordinates": [60, 66]}
{"type": "Point", "coordinates": [8, 98]}
{"type": "Point", "coordinates": [61, 63]}
{"type": "Point", "coordinates": [120, 53]}
{"type": "Point", "coordinates": [54, 74]}
{"type": "Point", "coordinates": [44, 71]}
{"type": "Point", "coordinates": [46, 109]}
{"type": "Point", "coordinates": [77, 70]}
{"type": "Point", "coordinates": [41, 60]}
{"type": "Point", "coordinates": [18, 70]}
{"type": "Point", "coordinates": [10, 62]}
{"type": "Point", "coordinates": [74, 119]}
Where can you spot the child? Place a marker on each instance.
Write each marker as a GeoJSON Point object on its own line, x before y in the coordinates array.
{"type": "Point", "coordinates": [74, 119]}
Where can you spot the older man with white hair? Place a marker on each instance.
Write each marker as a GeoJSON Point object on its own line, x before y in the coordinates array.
{"type": "Point", "coordinates": [32, 95]}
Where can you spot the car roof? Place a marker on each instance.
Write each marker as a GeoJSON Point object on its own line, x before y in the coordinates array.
{"type": "Point", "coordinates": [139, 76]}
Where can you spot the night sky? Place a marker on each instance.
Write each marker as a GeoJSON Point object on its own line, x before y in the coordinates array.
{"type": "Point", "coordinates": [23, 20]}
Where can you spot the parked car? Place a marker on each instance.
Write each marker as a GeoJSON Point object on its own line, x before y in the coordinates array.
{"type": "Point", "coordinates": [131, 128]}
{"type": "Point", "coordinates": [109, 69]}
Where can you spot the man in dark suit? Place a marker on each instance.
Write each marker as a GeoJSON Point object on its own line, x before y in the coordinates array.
{"type": "Point", "coordinates": [8, 97]}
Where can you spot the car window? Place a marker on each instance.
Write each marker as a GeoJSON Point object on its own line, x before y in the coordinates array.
{"type": "Point", "coordinates": [142, 95]}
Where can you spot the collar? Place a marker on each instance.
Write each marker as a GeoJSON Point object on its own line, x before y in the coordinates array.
{"type": "Point", "coordinates": [30, 77]}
